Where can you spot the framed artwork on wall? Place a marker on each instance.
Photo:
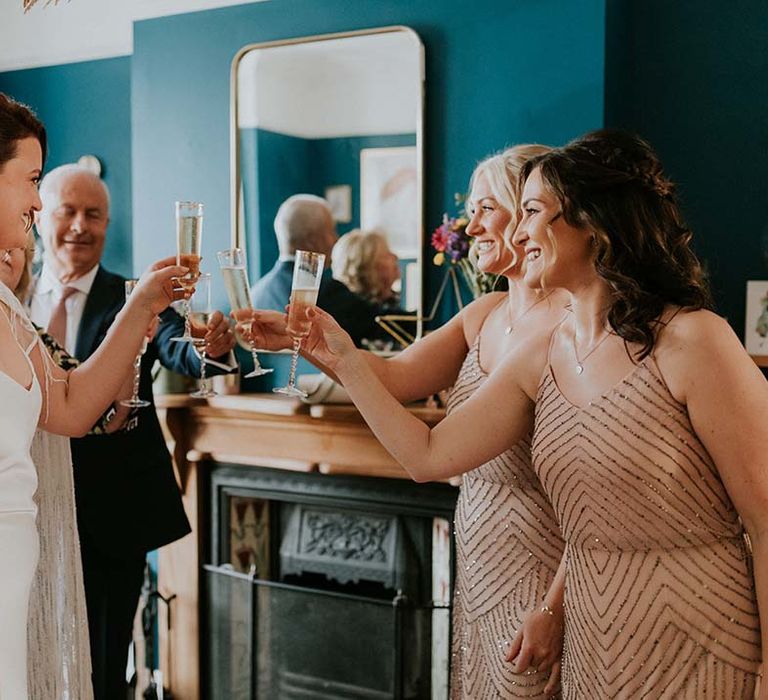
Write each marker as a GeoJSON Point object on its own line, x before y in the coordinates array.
{"type": "Point", "coordinates": [756, 330]}
{"type": "Point", "coordinates": [339, 198]}
{"type": "Point", "coordinates": [389, 197]}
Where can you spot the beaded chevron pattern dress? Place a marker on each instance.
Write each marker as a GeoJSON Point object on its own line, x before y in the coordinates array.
{"type": "Point", "coordinates": [659, 597]}
{"type": "Point", "coordinates": [508, 548]}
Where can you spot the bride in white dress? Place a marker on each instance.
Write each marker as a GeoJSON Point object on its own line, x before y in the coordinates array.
{"type": "Point", "coordinates": [34, 391]}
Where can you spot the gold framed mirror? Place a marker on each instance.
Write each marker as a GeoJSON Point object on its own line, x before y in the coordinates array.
{"type": "Point", "coordinates": [340, 116]}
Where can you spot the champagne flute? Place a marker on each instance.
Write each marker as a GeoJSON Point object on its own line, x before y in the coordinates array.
{"type": "Point", "coordinates": [233, 269]}
{"type": "Point", "coordinates": [189, 237]}
{"type": "Point", "coordinates": [200, 313]}
{"type": "Point", "coordinates": [307, 273]}
{"type": "Point", "coordinates": [135, 401]}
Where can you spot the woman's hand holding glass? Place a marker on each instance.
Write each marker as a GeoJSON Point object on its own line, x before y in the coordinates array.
{"type": "Point", "coordinates": [157, 288]}
{"type": "Point", "coordinates": [326, 344]}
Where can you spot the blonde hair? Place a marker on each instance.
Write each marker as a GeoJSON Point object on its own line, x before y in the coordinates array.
{"type": "Point", "coordinates": [22, 288]}
{"type": "Point", "coordinates": [354, 262]}
{"type": "Point", "coordinates": [502, 171]}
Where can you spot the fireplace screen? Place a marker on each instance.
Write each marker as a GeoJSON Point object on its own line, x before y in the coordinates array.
{"type": "Point", "coordinates": [272, 640]}
{"type": "Point", "coordinates": [326, 588]}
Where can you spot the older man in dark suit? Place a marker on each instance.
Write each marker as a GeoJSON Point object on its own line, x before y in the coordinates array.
{"type": "Point", "coordinates": [304, 222]}
{"type": "Point", "coordinates": [128, 502]}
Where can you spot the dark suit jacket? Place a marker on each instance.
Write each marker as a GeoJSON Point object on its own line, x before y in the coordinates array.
{"type": "Point", "coordinates": [127, 498]}
{"type": "Point", "coordinates": [354, 314]}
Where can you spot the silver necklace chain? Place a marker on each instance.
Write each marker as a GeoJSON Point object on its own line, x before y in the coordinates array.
{"type": "Point", "coordinates": [580, 361]}
{"type": "Point", "coordinates": [512, 323]}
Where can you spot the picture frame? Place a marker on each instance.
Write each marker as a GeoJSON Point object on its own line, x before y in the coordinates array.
{"type": "Point", "coordinates": [339, 198]}
{"type": "Point", "coordinates": [756, 325]}
{"type": "Point", "coordinates": [389, 185]}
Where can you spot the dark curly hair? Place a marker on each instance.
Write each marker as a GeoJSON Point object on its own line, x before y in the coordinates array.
{"type": "Point", "coordinates": [611, 182]}
{"type": "Point", "coordinates": [17, 122]}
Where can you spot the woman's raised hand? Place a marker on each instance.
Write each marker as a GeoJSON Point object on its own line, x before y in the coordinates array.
{"type": "Point", "coordinates": [265, 330]}
{"type": "Point", "coordinates": [327, 343]}
{"type": "Point", "coordinates": [157, 288]}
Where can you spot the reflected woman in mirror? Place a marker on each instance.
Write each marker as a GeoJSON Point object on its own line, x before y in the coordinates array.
{"type": "Point", "coordinates": [507, 624]}
{"type": "Point", "coordinates": [363, 261]}
{"type": "Point", "coordinates": [650, 436]}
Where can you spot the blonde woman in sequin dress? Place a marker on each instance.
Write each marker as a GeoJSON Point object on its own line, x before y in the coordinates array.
{"type": "Point", "coordinates": [508, 545]}
{"type": "Point", "coordinates": [650, 437]}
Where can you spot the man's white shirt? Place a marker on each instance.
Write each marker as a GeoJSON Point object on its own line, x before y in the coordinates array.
{"type": "Point", "coordinates": [47, 294]}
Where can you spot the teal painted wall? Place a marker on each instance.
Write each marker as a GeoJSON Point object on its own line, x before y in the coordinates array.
{"type": "Point", "coordinates": [691, 77]}
{"type": "Point", "coordinates": [86, 108]}
{"type": "Point", "coordinates": [497, 73]}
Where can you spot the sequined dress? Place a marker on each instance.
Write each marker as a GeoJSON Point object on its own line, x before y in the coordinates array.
{"type": "Point", "coordinates": [659, 598]}
{"type": "Point", "coordinates": [508, 548]}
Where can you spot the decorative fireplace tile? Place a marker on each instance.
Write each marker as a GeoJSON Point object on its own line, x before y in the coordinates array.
{"type": "Point", "coordinates": [344, 545]}
{"type": "Point", "coordinates": [249, 536]}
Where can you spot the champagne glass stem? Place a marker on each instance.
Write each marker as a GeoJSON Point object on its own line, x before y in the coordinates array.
{"type": "Point", "coordinates": [258, 370]}
{"type": "Point", "coordinates": [187, 325]}
{"type": "Point", "coordinates": [294, 362]}
{"type": "Point", "coordinates": [203, 378]}
{"type": "Point", "coordinates": [136, 378]}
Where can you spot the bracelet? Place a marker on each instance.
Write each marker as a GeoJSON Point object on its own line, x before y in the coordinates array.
{"type": "Point", "coordinates": [547, 610]}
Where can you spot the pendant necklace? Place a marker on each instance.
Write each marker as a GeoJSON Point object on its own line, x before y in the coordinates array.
{"type": "Point", "coordinates": [580, 362]}
{"type": "Point", "coordinates": [512, 323]}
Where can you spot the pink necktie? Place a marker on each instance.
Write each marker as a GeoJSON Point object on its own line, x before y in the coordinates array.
{"type": "Point", "coordinates": [57, 326]}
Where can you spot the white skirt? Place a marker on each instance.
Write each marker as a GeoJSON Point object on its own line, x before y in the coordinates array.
{"type": "Point", "coordinates": [18, 560]}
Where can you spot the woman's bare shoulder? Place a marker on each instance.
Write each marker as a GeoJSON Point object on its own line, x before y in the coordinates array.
{"type": "Point", "coordinates": [696, 344]}
{"type": "Point", "coordinates": [691, 329]}
{"type": "Point", "coordinates": [475, 313]}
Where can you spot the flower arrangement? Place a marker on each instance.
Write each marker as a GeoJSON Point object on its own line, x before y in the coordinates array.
{"type": "Point", "coordinates": [453, 246]}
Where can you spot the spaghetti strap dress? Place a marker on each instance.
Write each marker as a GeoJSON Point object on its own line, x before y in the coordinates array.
{"type": "Point", "coordinates": [19, 413]}
{"type": "Point", "coordinates": [660, 598]}
{"type": "Point", "coordinates": [508, 548]}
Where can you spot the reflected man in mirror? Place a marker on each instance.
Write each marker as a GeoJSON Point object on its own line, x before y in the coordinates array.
{"type": "Point", "coordinates": [128, 501]}
{"type": "Point", "coordinates": [304, 222]}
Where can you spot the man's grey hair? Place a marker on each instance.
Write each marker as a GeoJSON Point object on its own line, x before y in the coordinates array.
{"type": "Point", "coordinates": [302, 224]}
{"type": "Point", "coordinates": [53, 179]}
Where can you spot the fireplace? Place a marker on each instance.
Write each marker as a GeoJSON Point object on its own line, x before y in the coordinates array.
{"type": "Point", "coordinates": [326, 587]}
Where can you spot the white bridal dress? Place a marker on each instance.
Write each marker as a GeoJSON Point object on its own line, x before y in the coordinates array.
{"type": "Point", "coordinates": [19, 413]}
{"type": "Point", "coordinates": [44, 650]}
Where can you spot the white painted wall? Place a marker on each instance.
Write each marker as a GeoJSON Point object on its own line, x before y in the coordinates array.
{"type": "Point", "coordinates": [354, 86]}
{"type": "Point", "coordinates": [81, 30]}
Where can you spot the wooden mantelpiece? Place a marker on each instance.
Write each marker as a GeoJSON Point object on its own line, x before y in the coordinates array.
{"type": "Point", "coordinates": [248, 429]}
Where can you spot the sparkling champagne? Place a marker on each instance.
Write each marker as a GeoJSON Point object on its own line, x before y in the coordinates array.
{"type": "Point", "coordinates": [189, 234]}
{"type": "Point", "coordinates": [298, 323]}
{"type": "Point", "coordinates": [193, 263]}
{"type": "Point", "coordinates": [238, 292]}
{"type": "Point", "coordinates": [236, 283]}
{"type": "Point", "coordinates": [198, 325]}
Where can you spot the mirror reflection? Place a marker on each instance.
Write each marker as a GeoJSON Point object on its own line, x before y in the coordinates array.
{"type": "Point", "coordinates": [328, 159]}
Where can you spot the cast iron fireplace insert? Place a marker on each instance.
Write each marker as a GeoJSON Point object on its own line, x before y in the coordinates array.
{"type": "Point", "coordinates": [326, 587]}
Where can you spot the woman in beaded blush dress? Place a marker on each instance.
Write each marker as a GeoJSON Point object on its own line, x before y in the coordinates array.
{"type": "Point", "coordinates": [650, 437]}
{"type": "Point", "coordinates": [507, 624]}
